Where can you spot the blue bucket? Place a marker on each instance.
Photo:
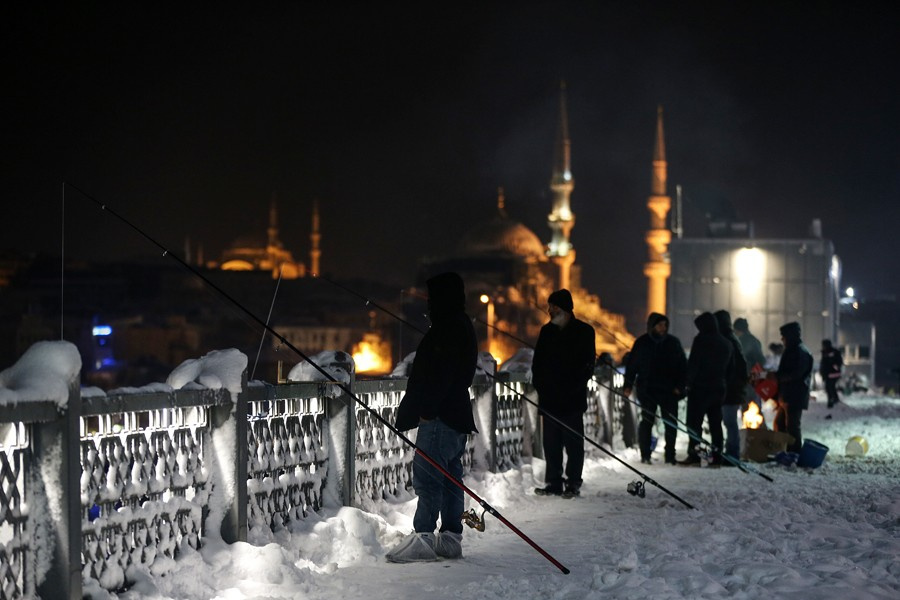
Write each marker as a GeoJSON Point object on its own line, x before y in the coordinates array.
{"type": "Point", "coordinates": [812, 454]}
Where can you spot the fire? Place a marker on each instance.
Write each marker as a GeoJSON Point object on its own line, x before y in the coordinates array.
{"type": "Point", "coordinates": [752, 417]}
{"type": "Point", "coordinates": [372, 355]}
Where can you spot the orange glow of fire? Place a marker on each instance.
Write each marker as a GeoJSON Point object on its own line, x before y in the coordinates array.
{"type": "Point", "coordinates": [372, 355]}
{"type": "Point", "coordinates": [752, 417]}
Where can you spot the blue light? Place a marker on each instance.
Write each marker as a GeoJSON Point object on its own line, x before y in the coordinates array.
{"type": "Point", "coordinates": [101, 330]}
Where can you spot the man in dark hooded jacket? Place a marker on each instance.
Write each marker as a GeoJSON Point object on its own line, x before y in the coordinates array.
{"type": "Point", "coordinates": [735, 389]}
{"type": "Point", "coordinates": [658, 364]}
{"type": "Point", "coordinates": [563, 362]}
{"type": "Point", "coordinates": [437, 402]}
{"type": "Point", "coordinates": [793, 375]}
{"type": "Point", "coordinates": [709, 371]}
{"type": "Point", "coordinates": [830, 370]}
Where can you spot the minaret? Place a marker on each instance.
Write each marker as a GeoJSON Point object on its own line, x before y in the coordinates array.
{"type": "Point", "coordinates": [657, 269]}
{"type": "Point", "coordinates": [314, 237]}
{"type": "Point", "coordinates": [272, 230]}
{"type": "Point", "coordinates": [561, 220]}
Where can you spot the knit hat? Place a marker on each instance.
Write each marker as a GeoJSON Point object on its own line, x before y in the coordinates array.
{"type": "Point", "coordinates": [790, 330]}
{"type": "Point", "coordinates": [740, 324]}
{"type": "Point", "coordinates": [562, 299]}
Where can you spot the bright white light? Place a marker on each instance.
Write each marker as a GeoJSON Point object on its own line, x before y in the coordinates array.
{"type": "Point", "coordinates": [850, 292]}
{"type": "Point", "coordinates": [484, 298]}
{"type": "Point", "coordinates": [750, 264]}
{"type": "Point", "coordinates": [101, 330]}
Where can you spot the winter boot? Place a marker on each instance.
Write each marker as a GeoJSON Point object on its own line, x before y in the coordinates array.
{"type": "Point", "coordinates": [416, 547]}
{"type": "Point", "coordinates": [448, 544]}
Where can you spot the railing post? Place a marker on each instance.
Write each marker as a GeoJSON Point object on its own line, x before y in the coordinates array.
{"type": "Point", "coordinates": [228, 429]}
{"type": "Point", "coordinates": [57, 466]}
{"type": "Point", "coordinates": [341, 415]}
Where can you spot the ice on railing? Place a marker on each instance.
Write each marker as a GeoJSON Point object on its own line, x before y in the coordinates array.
{"type": "Point", "coordinates": [216, 370]}
{"type": "Point", "coordinates": [44, 372]}
{"type": "Point", "coordinates": [339, 365]}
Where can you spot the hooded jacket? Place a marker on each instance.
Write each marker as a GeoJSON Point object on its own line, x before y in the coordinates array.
{"type": "Point", "coordinates": [737, 383]}
{"type": "Point", "coordinates": [710, 363]}
{"type": "Point", "coordinates": [563, 363]}
{"type": "Point", "coordinates": [795, 368]}
{"type": "Point", "coordinates": [656, 364]}
{"type": "Point", "coordinates": [444, 364]}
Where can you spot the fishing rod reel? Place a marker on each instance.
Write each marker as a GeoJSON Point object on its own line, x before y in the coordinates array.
{"type": "Point", "coordinates": [636, 488]}
{"type": "Point", "coordinates": [473, 520]}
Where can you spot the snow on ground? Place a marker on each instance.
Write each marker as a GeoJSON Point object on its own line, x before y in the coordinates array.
{"type": "Point", "coordinates": [827, 533]}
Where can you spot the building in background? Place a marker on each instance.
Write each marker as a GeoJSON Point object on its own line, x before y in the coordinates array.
{"type": "Point", "coordinates": [769, 282]}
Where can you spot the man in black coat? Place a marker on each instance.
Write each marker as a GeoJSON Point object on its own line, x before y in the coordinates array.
{"type": "Point", "coordinates": [793, 375]}
{"type": "Point", "coordinates": [735, 389]}
{"type": "Point", "coordinates": [709, 370]}
{"type": "Point", "coordinates": [658, 364]}
{"type": "Point", "coordinates": [563, 363]}
{"type": "Point", "coordinates": [830, 370]}
{"type": "Point", "coordinates": [437, 402]}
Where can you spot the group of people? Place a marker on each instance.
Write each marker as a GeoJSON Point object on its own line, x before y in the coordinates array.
{"type": "Point", "coordinates": [715, 377]}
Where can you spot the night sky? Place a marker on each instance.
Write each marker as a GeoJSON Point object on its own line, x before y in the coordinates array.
{"type": "Point", "coordinates": [404, 121]}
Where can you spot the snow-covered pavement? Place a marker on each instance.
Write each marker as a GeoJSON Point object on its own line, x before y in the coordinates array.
{"type": "Point", "coordinates": [832, 532]}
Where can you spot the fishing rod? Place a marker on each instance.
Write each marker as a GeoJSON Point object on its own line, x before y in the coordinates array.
{"type": "Point", "coordinates": [542, 410]}
{"type": "Point", "coordinates": [374, 413]}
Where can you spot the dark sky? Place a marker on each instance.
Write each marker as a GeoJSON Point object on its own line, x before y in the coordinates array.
{"type": "Point", "coordinates": [403, 121]}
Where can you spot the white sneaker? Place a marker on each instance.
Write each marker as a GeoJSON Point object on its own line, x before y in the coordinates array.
{"type": "Point", "coordinates": [448, 544]}
{"type": "Point", "coordinates": [416, 547]}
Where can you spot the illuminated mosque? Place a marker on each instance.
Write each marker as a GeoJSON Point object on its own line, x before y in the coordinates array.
{"type": "Point", "coordinates": [252, 253]}
{"type": "Point", "coordinates": [509, 272]}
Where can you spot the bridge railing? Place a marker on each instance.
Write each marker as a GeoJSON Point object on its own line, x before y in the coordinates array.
{"type": "Point", "coordinates": [122, 481]}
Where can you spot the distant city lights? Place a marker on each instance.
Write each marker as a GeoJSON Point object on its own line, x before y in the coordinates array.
{"type": "Point", "coordinates": [101, 330]}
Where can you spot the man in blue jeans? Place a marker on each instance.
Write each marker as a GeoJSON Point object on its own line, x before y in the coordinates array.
{"type": "Point", "coordinates": [437, 402]}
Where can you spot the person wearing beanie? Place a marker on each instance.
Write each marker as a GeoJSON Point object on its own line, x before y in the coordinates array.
{"type": "Point", "coordinates": [709, 371]}
{"type": "Point", "coordinates": [735, 392]}
{"type": "Point", "coordinates": [657, 364]}
{"type": "Point", "coordinates": [830, 370]}
{"type": "Point", "coordinates": [437, 402]}
{"type": "Point", "coordinates": [563, 363]}
{"type": "Point", "coordinates": [794, 371]}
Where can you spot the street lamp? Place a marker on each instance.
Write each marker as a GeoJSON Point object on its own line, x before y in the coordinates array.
{"type": "Point", "coordinates": [485, 299]}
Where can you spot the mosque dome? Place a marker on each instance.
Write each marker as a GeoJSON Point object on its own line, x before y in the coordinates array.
{"type": "Point", "coordinates": [502, 235]}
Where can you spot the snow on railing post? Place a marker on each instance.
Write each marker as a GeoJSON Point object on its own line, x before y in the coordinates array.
{"type": "Point", "coordinates": [228, 431]}
{"type": "Point", "coordinates": [341, 417]}
{"type": "Point", "coordinates": [57, 528]}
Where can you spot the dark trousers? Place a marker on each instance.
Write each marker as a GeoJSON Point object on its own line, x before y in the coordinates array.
{"type": "Point", "coordinates": [556, 437]}
{"type": "Point", "coordinates": [787, 420]}
{"type": "Point", "coordinates": [668, 407]}
{"type": "Point", "coordinates": [831, 390]}
{"type": "Point", "coordinates": [705, 403]}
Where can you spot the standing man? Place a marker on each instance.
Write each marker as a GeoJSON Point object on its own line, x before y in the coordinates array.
{"type": "Point", "coordinates": [658, 364]}
{"type": "Point", "coordinates": [437, 402]}
{"type": "Point", "coordinates": [709, 370]}
{"type": "Point", "coordinates": [830, 370]}
{"type": "Point", "coordinates": [735, 390]}
{"type": "Point", "coordinates": [563, 363]}
{"type": "Point", "coordinates": [793, 375]}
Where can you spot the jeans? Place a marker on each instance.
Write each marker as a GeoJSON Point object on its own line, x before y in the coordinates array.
{"type": "Point", "coordinates": [437, 494]}
{"type": "Point", "coordinates": [732, 429]}
{"type": "Point", "coordinates": [831, 390]}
